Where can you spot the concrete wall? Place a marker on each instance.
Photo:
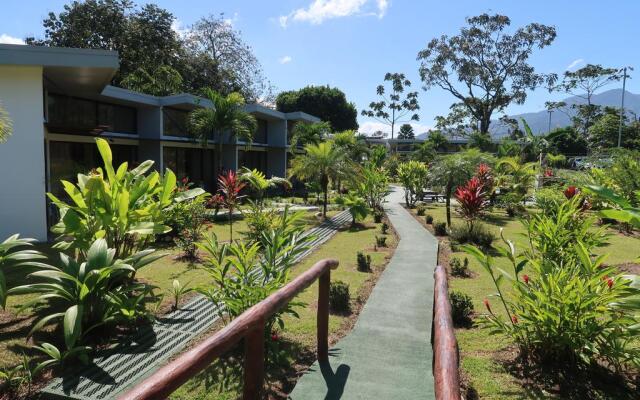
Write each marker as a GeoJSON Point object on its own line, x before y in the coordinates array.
{"type": "Point", "coordinates": [277, 133]}
{"type": "Point", "coordinates": [22, 157]}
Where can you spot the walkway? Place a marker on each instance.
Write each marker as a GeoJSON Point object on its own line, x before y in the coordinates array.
{"type": "Point", "coordinates": [388, 353]}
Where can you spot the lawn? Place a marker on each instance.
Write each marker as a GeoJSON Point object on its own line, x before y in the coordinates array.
{"type": "Point", "coordinates": [298, 340]}
{"type": "Point", "coordinates": [482, 354]}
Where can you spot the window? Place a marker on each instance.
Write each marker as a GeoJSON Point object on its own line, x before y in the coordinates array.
{"type": "Point", "coordinates": [81, 116]}
{"type": "Point", "coordinates": [253, 160]}
{"type": "Point", "coordinates": [175, 122]}
{"type": "Point", "coordinates": [195, 164]}
{"type": "Point", "coordinates": [260, 136]}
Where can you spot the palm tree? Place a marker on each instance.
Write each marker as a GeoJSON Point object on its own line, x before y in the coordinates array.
{"type": "Point", "coordinates": [322, 163]}
{"type": "Point", "coordinates": [225, 116]}
{"type": "Point", "coordinates": [5, 125]}
{"type": "Point", "coordinates": [260, 183]}
{"type": "Point", "coordinates": [517, 176]}
{"type": "Point", "coordinates": [305, 133]}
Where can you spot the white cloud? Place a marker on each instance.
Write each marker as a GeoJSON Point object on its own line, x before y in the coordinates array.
{"type": "Point", "coordinates": [179, 28]}
{"type": "Point", "coordinates": [233, 20]}
{"type": "Point", "coordinates": [320, 10]}
{"type": "Point", "coordinates": [285, 60]}
{"type": "Point", "coordinates": [7, 39]}
{"type": "Point", "coordinates": [575, 63]}
{"type": "Point", "coordinates": [371, 127]}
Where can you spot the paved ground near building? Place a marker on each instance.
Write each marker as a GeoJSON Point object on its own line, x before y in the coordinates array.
{"type": "Point", "coordinates": [388, 353]}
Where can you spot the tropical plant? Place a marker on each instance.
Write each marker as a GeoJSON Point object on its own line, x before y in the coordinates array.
{"type": "Point", "coordinates": [339, 297]}
{"type": "Point", "coordinates": [353, 144]}
{"type": "Point", "coordinates": [548, 199]}
{"type": "Point", "coordinates": [461, 308]}
{"type": "Point", "coordinates": [224, 118]}
{"type": "Point", "coordinates": [192, 215]}
{"type": "Point", "coordinates": [125, 207]}
{"type": "Point", "coordinates": [313, 133]}
{"type": "Point", "coordinates": [623, 210]}
{"type": "Point", "coordinates": [556, 160]}
{"type": "Point", "coordinates": [17, 259]}
{"type": "Point", "coordinates": [356, 205]}
{"type": "Point", "coordinates": [244, 274]}
{"type": "Point", "coordinates": [363, 261]}
{"type": "Point", "coordinates": [472, 201]}
{"type": "Point", "coordinates": [478, 235]}
{"type": "Point", "coordinates": [515, 177]}
{"type": "Point", "coordinates": [178, 291]}
{"type": "Point", "coordinates": [459, 268]}
{"type": "Point", "coordinates": [6, 126]}
{"type": "Point", "coordinates": [230, 188]}
{"type": "Point", "coordinates": [322, 163]}
{"type": "Point", "coordinates": [258, 181]}
{"type": "Point", "coordinates": [87, 293]}
{"type": "Point", "coordinates": [413, 177]}
{"type": "Point", "coordinates": [373, 185]}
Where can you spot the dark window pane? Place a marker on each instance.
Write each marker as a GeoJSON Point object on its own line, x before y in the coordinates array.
{"type": "Point", "coordinates": [175, 122]}
{"type": "Point", "coordinates": [260, 135]}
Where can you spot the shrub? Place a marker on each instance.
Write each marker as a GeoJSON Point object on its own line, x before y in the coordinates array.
{"type": "Point", "coordinates": [384, 228]}
{"type": "Point", "coordinates": [479, 235]}
{"type": "Point", "coordinates": [192, 216]}
{"type": "Point", "coordinates": [377, 216]}
{"type": "Point", "coordinates": [259, 220]}
{"type": "Point", "coordinates": [381, 241]}
{"type": "Point", "coordinates": [339, 297]}
{"type": "Point", "coordinates": [461, 308]}
{"type": "Point", "coordinates": [429, 219]}
{"type": "Point", "coordinates": [364, 262]}
{"type": "Point", "coordinates": [440, 228]}
{"type": "Point", "coordinates": [548, 199]}
{"type": "Point", "coordinates": [420, 210]}
{"type": "Point", "coordinates": [472, 200]}
{"type": "Point", "coordinates": [356, 205]}
{"type": "Point", "coordinates": [413, 176]}
{"type": "Point", "coordinates": [459, 268]}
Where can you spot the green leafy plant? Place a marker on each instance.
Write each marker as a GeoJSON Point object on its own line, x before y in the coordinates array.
{"type": "Point", "coordinates": [420, 210]}
{"type": "Point", "coordinates": [193, 216]}
{"type": "Point", "coordinates": [413, 177]}
{"type": "Point", "coordinates": [373, 184]}
{"type": "Point", "coordinates": [479, 235]}
{"type": "Point", "coordinates": [178, 291]}
{"type": "Point", "coordinates": [17, 258]}
{"type": "Point", "coordinates": [363, 262]}
{"type": "Point", "coordinates": [384, 228]}
{"type": "Point", "coordinates": [428, 219]}
{"type": "Point", "coordinates": [339, 298]}
{"type": "Point", "coordinates": [381, 241]}
{"type": "Point", "coordinates": [259, 182]}
{"type": "Point", "coordinates": [125, 207]}
{"type": "Point", "coordinates": [461, 308]}
{"type": "Point", "coordinates": [548, 199]}
{"type": "Point", "coordinates": [377, 216]}
{"type": "Point", "coordinates": [259, 220]}
{"type": "Point", "coordinates": [459, 268]}
{"type": "Point", "coordinates": [357, 207]}
{"type": "Point", "coordinates": [440, 228]}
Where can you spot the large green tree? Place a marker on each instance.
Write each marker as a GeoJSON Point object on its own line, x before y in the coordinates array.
{"type": "Point", "coordinates": [406, 132]}
{"type": "Point", "coordinates": [327, 103]}
{"type": "Point", "coordinates": [603, 133]}
{"type": "Point", "coordinates": [484, 67]}
{"type": "Point", "coordinates": [395, 106]}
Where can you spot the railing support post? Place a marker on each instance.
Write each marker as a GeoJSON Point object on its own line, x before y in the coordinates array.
{"type": "Point", "coordinates": [254, 363]}
{"type": "Point", "coordinates": [323, 316]}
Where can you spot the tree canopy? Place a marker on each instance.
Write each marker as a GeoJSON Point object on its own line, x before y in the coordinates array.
{"type": "Point", "coordinates": [406, 132]}
{"type": "Point", "coordinates": [327, 103]}
{"type": "Point", "coordinates": [485, 68]}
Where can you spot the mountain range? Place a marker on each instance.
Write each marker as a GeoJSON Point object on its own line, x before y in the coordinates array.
{"type": "Point", "coordinates": [539, 121]}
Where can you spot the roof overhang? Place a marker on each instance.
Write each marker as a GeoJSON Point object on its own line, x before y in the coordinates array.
{"type": "Point", "coordinates": [65, 69]}
{"type": "Point", "coordinates": [301, 116]}
{"type": "Point", "coordinates": [264, 112]}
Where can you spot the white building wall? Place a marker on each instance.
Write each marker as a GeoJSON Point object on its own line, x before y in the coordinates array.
{"type": "Point", "coordinates": [22, 157]}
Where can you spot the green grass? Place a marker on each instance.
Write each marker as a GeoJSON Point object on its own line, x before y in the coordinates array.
{"type": "Point", "coordinates": [299, 336]}
{"type": "Point", "coordinates": [479, 350]}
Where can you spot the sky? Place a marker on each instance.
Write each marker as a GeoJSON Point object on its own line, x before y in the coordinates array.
{"type": "Point", "coordinates": [351, 44]}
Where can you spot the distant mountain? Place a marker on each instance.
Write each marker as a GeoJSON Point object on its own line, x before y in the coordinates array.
{"type": "Point", "coordinates": [539, 121]}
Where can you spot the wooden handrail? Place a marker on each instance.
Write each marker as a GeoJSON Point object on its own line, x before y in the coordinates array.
{"type": "Point", "coordinates": [445, 347]}
{"type": "Point", "coordinates": [250, 327]}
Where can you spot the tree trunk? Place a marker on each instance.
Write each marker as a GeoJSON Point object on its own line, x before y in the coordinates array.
{"type": "Point", "coordinates": [325, 189]}
{"type": "Point", "coordinates": [484, 124]}
{"type": "Point", "coordinates": [448, 202]}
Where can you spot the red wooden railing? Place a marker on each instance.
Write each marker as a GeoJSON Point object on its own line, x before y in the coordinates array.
{"type": "Point", "coordinates": [443, 338]}
{"type": "Point", "coordinates": [250, 327]}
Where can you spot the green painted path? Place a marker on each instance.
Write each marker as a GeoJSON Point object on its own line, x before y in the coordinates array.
{"type": "Point", "coordinates": [388, 353]}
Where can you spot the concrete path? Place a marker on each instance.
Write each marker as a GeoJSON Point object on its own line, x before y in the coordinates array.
{"type": "Point", "coordinates": [388, 353]}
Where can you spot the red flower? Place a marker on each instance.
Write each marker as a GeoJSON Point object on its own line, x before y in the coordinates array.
{"type": "Point", "coordinates": [275, 337]}
{"type": "Point", "coordinates": [525, 278]}
{"type": "Point", "coordinates": [486, 304]}
{"type": "Point", "coordinates": [570, 192]}
{"type": "Point", "coordinates": [609, 282]}
{"type": "Point", "coordinates": [185, 180]}
{"type": "Point", "coordinates": [514, 319]}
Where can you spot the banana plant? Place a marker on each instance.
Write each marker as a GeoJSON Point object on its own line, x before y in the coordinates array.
{"type": "Point", "coordinates": [83, 295]}
{"type": "Point", "coordinates": [125, 207]}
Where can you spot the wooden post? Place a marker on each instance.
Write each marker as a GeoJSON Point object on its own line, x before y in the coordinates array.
{"type": "Point", "coordinates": [323, 316]}
{"type": "Point", "coordinates": [254, 363]}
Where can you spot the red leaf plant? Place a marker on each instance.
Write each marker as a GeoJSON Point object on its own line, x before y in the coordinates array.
{"type": "Point", "coordinates": [472, 199]}
{"type": "Point", "coordinates": [230, 188]}
{"type": "Point", "coordinates": [484, 175]}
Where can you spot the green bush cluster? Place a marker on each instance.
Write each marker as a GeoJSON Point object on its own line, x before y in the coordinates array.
{"type": "Point", "coordinates": [429, 219]}
{"type": "Point", "coordinates": [461, 308]}
{"type": "Point", "coordinates": [479, 235]}
{"type": "Point", "coordinates": [363, 262]}
{"type": "Point", "coordinates": [459, 268]}
{"type": "Point", "coordinates": [339, 297]}
{"type": "Point", "coordinates": [381, 241]}
{"type": "Point", "coordinates": [440, 228]}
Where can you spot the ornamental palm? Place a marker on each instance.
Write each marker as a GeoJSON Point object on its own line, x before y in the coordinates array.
{"type": "Point", "coordinates": [230, 188]}
{"type": "Point", "coordinates": [260, 183]}
{"type": "Point", "coordinates": [224, 116]}
{"type": "Point", "coordinates": [321, 163]}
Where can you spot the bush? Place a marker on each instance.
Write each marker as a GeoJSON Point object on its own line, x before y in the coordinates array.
{"type": "Point", "coordinates": [259, 220]}
{"type": "Point", "coordinates": [479, 235]}
{"type": "Point", "coordinates": [339, 297]}
{"type": "Point", "coordinates": [192, 215]}
{"type": "Point", "coordinates": [548, 199]}
{"type": "Point", "coordinates": [364, 262]}
{"type": "Point", "coordinates": [420, 210]}
{"type": "Point", "coordinates": [377, 216]}
{"type": "Point", "coordinates": [440, 228]}
{"type": "Point", "coordinates": [461, 308]}
{"type": "Point", "coordinates": [384, 228]}
{"type": "Point", "coordinates": [429, 219]}
{"type": "Point", "coordinates": [381, 241]}
{"type": "Point", "coordinates": [459, 268]}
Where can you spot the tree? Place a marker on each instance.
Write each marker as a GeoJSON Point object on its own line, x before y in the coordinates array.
{"type": "Point", "coordinates": [406, 132]}
{"type": "Point", "coordinates": [217, 57]}
{"type": "Point", "coordinates": [583, 83]}
{"type": "Point", "coordinates": [353, 144]}
{"type": "Point", "coordinates": [425, 153]}
{"type": "Point", "coordinates": [567, 141]}
{"type": "Point", "coordinates": [142, 36]}
{"type": "Point", "coordinates": [225, 118]}
{"type": "Point", "coordinates": [6, 126]}
{"type": "Point", "coordinates": [258, 181]}
{"type": "Point", "coordinates": [413, 177]}
{"type": "Point", "coordinates": [322, 163]}
{"type": "Point", "coordinates": [327, 103]}
{"type": "Point", "coordinates": [603, 133]}
{"type": "Point", "coordinates": [313, 133]}
{"type": "Point", "coordinates": [485, 68]}
{"type": "Point", "coordinates": [163, 81]}
{"type": "Point", "coordinates": [459, 121]}
{"type": "Point", "coordinates": [438, 139]}
{"type": "Point", "coordinates": [394, 108]}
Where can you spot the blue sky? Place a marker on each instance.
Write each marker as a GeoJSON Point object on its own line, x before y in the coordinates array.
{"type": "Point", "coordinates": [351, 44]}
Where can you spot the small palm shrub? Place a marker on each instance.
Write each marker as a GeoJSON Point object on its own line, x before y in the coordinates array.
{"type": "Point", "coordinates": [339, 297]}
{"type": "Point", "coordinates": [377, 216]}
{"type": "Point", "coordinates": [428, 219]}
{"type": "Point", "coordinates": [381, 241]}
{"type": "Point", "coordinates": [461, 308]}
{"type": "Point", "coordinates": [479, 235]}
{"type": "Point", "coordinates": [384, 228]}
{"type": "Point", "coordinates": [459, 268]}
{"type": "Point", "coordinates": [363, 262]}
{"type": "Point", "coordinates": [356, 205]}
{"type": "Point", "coordinates": [440, 228]}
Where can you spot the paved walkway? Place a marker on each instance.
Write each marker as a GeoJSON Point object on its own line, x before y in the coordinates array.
{"type": "Point", "coordinates": [388, 353]}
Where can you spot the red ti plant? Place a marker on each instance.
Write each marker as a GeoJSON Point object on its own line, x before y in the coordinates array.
{"type": "Point", "coordinates": [230, 187]}
{"type": "Point", "coordinates": [484, 175]}
{"type": "Point", "coordinates": [472, 199]}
